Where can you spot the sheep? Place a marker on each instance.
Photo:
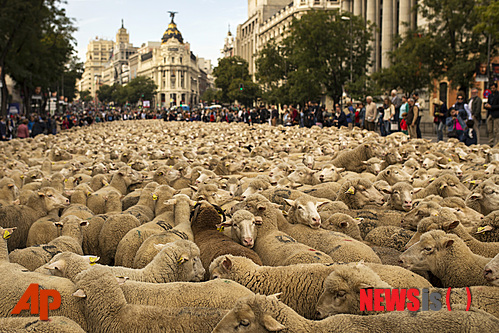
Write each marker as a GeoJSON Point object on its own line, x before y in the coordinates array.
{"type": "Point", "coordinates": [15, 279]}
{"type": "Point", "coordinates": [55, 324]}
{"type": "Point", "coordinates": [373, 165]}
{"type": "Point", "coordinates": [330, 173]}
{"type": "Point", "coordinates": [341, 293]}
{"type": "Point", "coordinates": [304, 176]}
{"type": "Point", "coordinates": [212, 243]}
{"type": "Point", "coordinates": [447, 221]}
{"type": "Point", "coordinates": [212, 194]}
{"type": "Point", "coordinates": [351, 160]}
{"type": "Point", "coordinates": [276, 247]}
{"type": "Point", "coordinates": [491, 271]}
{"type": "Point", "coordinates": [393, 174]}
{"type": "Point", "coordinates": [401, 196]}
{"type": "Point", "coordinates": [466, 215]}
{"type": "Point", "coordinates": [267, 314]}
{"type": "Point", "coordinates": [422, 210]}
{"type": "Point", "coordinates": [22, 217]}
{"type": "Point", "coordinates": [357, 193]}
{"type": "Point", "coordinates": [328, 191]}
{"type": "Point", "coordinates": [219, 293]}
{"type": "Point", "coordinates": [448, 258]}
{"type": "Point", "coordinates": [255, 186]}
{"type": "Point", "coordinates": [342, 223]}
{"type": "Point", "coordinates": [484, 198]}
{"type": "Point", "coordinates": [107, 310]}
{"type": "Point", "coordinates": [446, 185]}
{"type": "Point", "coordinates": [243, 227]}
{"type": "Point", "coordinates": [43, 231]}
{"type": "Point", "coordinates": [338, 246]}
{"type": "Point", "coordinates": [114, 228]}
{"type": "Point", "coordinates": [389, 236]}
{"type": "Point", "coordinates": [70, 240]}
{"type": "Point", "coordinates": [177, 261]}
{"type": "Point", "coordinates": [487, 229]}
{"type": "Point", "coordinates": [307, 278]}
{"type": "Point", "coordinates": [9, 192]}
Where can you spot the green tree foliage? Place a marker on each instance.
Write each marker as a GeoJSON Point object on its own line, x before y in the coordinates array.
{"type": "Point", "coordinates": [86, 96]}
{"type": "Point", "coordinates": [230, 73]}
{"type": "Point", "coordinates": [210, 95]}
{"type": "Point", "coordinates": [140, 87]}
{"type": "Point", "coordinates": [35, 44]}
{"type": "Point", "coordinates": [451, 46]}
{"type": "Point", "coordinates": [317, 54]}
{"type": "Point", "coordinates": [271, 70]}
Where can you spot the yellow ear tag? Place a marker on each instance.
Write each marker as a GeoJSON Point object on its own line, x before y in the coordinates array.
{"type": "Point", "coordinates": [485, 165]}
{"type": "Point", "coordinates": [93, 260]}
{"type": "Point", "coordinates": [180, 261]}
{"type": "Point", "coordinates": [480, 229]}
{"type": "Point", "coordinates": [129, 164]}
{"type": "Point", "coordinates": [472, 182]}
{"type": "Point", "coordinates": [432, 179]}
{"type": "Point", "coordinates": [6, 234]}
{"type": "Point", "coordinates": [221, 228]}
{"type": "Point", "coordinates": [442, 187]}
{"type": "Point", "coordinates": [154, 197]}
{"type": "Point", "coordinates": [65, 180]}
{"type": "Point", "coordinates": [53, 163]}
{"type": "Point", "coordinates": [434, 214]}
{"type": "Point", "coordinates": [89, 194]}
{"type": "Point", "coordinates": [22, 177]}
{"type": "Point", "coordinates": [351, 190]}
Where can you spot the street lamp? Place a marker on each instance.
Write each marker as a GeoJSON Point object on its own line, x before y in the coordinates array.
{"type": "Point", "coordinates": [346, 18]}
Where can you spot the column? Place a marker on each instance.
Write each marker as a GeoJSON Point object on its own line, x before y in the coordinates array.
{"type": "Point", "coordinates": [345, 6]}
{"type": "Point", "coordinates": [405, 17]}
{"type": "Point", "coordinates": [357, 7]}
{"type": "Point", "coordinates": [387, 32]}
{"type": "Point", "coordinates": [371, 16]}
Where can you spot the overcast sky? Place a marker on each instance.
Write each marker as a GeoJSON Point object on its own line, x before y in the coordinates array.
{"type": "Point", "coordinates": [203, 23]}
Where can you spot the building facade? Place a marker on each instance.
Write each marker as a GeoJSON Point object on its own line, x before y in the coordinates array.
{"type": "Point", "coordinates": [98, 53]}
{"type": "Point", "coordinates": [181, 76]}
{"type": "Point", "coordinates": [271, 18]}
{"type": "Point", "coordinates": [228, 50]}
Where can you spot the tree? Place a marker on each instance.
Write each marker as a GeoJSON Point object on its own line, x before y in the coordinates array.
{"type": "Point", "coordinates": [410, 68]}
{"type": "Point", "coordinates": [139, 88]}
{"type": "Point", "coordinates": [210, 95]}
{"type": "Point", "coordinates": [230, 73]}
{"type": "Point", "coordinates": [35, 45]}
{"type": "Point", "coordinates": [86, 96]}
{"type": "Point", "coordinates": [317, 53]}
{"type": "Point", "coordinates": [271, 69]}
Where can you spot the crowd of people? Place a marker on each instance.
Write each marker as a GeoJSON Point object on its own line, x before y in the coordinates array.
{"type": "Point", "coordinates": [397, 113]}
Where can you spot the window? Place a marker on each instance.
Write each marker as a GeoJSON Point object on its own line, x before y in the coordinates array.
{"type": "Point", "coordinates": [180, 59]}
{"type": "Point", "coordinates": [173, 60]}
{"type": "Point", "coordinates": [443, 92]}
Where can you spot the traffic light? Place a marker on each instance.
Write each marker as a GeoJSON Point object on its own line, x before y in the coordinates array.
{"type": "Point", "coordinates": [241, 87]}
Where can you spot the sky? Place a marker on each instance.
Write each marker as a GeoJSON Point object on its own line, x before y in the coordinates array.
{"type": "Point", "coordinates": [203, 23]}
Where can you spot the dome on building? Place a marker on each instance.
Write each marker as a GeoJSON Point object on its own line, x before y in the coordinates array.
{"type": "Point", "coordinates": [172, 32]}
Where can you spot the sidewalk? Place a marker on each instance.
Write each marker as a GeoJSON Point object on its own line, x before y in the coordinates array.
{"type": "Point", "coordinates": [428, 132]}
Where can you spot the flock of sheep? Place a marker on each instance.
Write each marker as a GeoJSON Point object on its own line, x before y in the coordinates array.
{"type": "Point", "coordinates": [186, 227]}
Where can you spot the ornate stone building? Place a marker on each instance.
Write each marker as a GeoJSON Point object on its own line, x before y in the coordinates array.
{"type": "Point", "coordinates": [270, 18]}
{"type": "Point", "coordinates": [98, 53]}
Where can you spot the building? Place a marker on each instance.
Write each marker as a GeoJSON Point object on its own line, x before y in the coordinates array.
{"type": "Point", "coordinates": [228, 50]}
{"type": "Point", "coordinates": [271, 18]}
{"type": "Point", "coordinates": [117, 69]}
{"type": "Point", "coordinates": [181, 76]}
{"type": "Point", "coordinates": [98, 52]}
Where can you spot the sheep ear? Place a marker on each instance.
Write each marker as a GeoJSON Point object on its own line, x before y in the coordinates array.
{"type": "Point", "coordinates": [41, 194]}
{"type": "Point", "coordinates": [275, 296]}
{"type": "Point", "coordinates": [417, 189]}
{"type": "Point", "coordinates": [365, 286]}
{"type": "Point", "coordinates": [227, 223]}
{"type": "Point", "coordinates": [121, 280]}
{"type": "Point", "coordinates": [83, 223]}
{"type": "Point", "coordinates": [56, 265]}
{"type": "Point", "coordinates": [452, 225]}
{"type": "Point", "coordinates": [182, 259]}
{"type": "Point", "coordinates": [447, 242]}
{"type": "Point", "coordinates": [476, 196]}
{"type": "Point", "coordinates": [484, 229]}
{"type": "Point", "coordinates": [340, 169]}
{"type": "Point", "coordinates": [258, 220]}
{"type": "Point", "coordinates": [351, 190]}
{"type": "Point", "coordinates": [193, 187]}
{"type": "Point", "coordinates": [159, 247]}
{"type": "Point", "coordinates": [79, 293]}
{"type": "Point", "coordinates": [192, 203]}
{"type": "Point", "coordinates": [7, 232]}
{"type": "Point", "coordinates": [170, 202]}
{"type": "Point", "coordinates": [271, 324]}
{"type": "Point", "coordinates": [58, 224]}
{"type": "Point", "coordinates": [359, 220]}
{"type": "Point", "coordinates": [227, 263]}
{"type": "Point", "coordinates": [321, 203]}
{"type": "Point", "coordinates": [290, 202]}
{"type": "Point", "coordinates": [386, 190]}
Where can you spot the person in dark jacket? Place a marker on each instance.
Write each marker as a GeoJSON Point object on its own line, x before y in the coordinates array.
{"type": "Point", "coordinates": [469, 136]}
{"type": "Point", "coordinates": [39, 127]}
{"type": "Point", "coordinates": [492, 107]}
{"type": "Point", "coordinates": [339, 119]}
{"type": "Point", "coordinates": [3, 129]}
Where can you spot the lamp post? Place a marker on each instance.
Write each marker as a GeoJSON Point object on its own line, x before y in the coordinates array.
{"type": "Point", "coordinates": [346, 18]}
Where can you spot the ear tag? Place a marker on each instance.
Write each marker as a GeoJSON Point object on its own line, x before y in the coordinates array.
{"type": "Point", "coordinates": [6, 234]}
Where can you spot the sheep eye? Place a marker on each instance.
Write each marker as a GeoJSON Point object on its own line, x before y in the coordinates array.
{"type": "Point", "coordinates": [397, 192]}
{"type": "Point", "coordinates": [412, 192]}
{"type": "Point", "coordinates": [428, 249]}
{"type": "Point", "coordinates": [244, 322]}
